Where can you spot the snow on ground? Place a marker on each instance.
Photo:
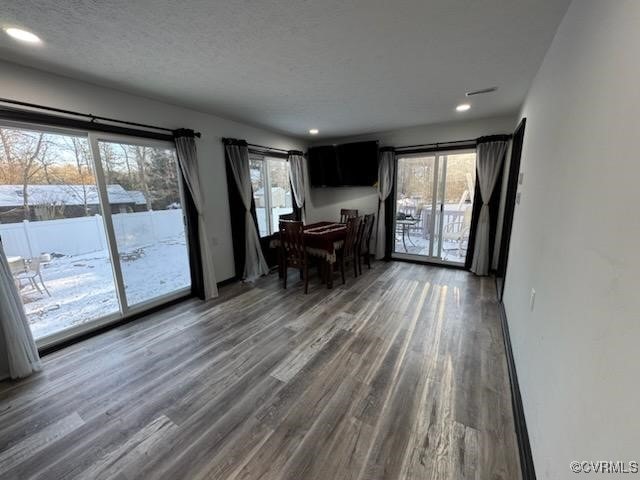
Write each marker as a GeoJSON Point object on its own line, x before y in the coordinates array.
{"type": "Point", "coordinates": [82, 287]}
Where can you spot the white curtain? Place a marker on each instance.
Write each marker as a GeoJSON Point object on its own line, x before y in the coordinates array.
{"type": "Point", "coordinates": [386, 172]}
{"type": "Point", "coordinates": [296, 175]}
{"type": "Point", "coordinates": [254, 264]}
{"type": "Point", "coordinates": [488, 164]}
{"type": "Point", "coordinates": [21, 350]}
{"type": "Point", "coordinates": [188, 160]}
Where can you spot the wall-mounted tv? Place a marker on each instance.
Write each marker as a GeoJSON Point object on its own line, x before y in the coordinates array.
{"type": "Point", "coordinates": [346, 165]}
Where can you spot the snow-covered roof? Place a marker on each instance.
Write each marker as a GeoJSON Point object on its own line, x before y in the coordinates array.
{"type": "Point", "coordinates": [12, 195]}
{"type": "Point", "coordinates": [137, 196]}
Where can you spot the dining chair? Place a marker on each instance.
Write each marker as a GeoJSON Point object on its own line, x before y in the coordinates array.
{"type": "Point", "coordinates": [349, 251]}
{"type": "Point", "coordinates": [287, 216]}
{"type": "Point", "coordinates": [365, 241]}
{"type": "Point", "coordinates": [346, 213]}
{"type": "Point", "coordinates": [293, 252]}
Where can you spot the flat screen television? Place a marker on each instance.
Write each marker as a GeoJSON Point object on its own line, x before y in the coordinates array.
{"type": "Point", "coordinates": [346, 165]}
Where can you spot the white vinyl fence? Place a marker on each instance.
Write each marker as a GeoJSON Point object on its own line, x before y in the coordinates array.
{"type": "Point", "coordinates": [77, 236]}
{"type": "Point", "coordinates": [261, 214]}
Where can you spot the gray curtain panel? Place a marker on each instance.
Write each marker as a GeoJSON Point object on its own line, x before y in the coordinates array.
{"type": "Point", "coordinates": [254, 265]}
{"type": "Point", "coordinates": [386, 173]}
{"type": "Point", "coordinates": [22, 353]}
{"type": "Point", "coordinates": [490, 156]}
{"type": "Point", "coordinates": [188, 161]}
{"type": "Point", "coordinates": [296, 175]}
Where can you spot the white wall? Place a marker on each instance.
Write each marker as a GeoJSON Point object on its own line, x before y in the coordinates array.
{"type": "Point", "coordinates": [325, 203]}
{"type": "Point", "coordinates": [30, 85]}
{"type": "Point", "coordinates": [575, 240]}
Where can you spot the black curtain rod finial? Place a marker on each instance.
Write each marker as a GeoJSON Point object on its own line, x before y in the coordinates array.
{"type": "Point", "coordinates": [93, 119]}
{"type": "Point", "coordinates": [185, 132]}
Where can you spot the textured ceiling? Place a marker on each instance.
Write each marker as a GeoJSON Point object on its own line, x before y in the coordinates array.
{"type": "Point", "coordinates": [342, 66]}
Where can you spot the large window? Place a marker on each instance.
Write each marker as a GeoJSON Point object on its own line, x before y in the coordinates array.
{"type": "Point", "coordinates": [271, 191]}
{"type": "Point", "coordinates": [92, 226]}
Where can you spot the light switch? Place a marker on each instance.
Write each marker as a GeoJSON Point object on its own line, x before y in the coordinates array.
{"type": "Point", "coordinates": [520, 178]}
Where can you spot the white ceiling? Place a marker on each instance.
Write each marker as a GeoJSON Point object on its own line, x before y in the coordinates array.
{"type": "Point", "coordinates": [343, 66]}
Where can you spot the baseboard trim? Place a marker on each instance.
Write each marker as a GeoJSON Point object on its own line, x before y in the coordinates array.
{"type": "Point", "coordinates": [522, 434]}
{"type": "Point", "coordinates": [426, 263]}
{"type": "Point", "coordinates": [228, 281]}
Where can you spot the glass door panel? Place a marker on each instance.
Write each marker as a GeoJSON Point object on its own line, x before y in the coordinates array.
{"type": "Point", "coordinates": [414, 204]}
{"type": "Point", "coordinates": [457, 197]}
{"type": "Point", "coordinates": [52, 230]}
{"type": "Point", "coordinates": [143, 188]}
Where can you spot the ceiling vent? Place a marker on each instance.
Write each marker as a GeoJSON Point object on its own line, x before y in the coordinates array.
{"type": "Point", "coordinates": [481, 91]}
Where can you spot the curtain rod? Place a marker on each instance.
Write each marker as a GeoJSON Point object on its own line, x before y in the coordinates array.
{"type": "Point", "coordinates": [90, 116]}
{"type": "Point", "coordinates": [439, 144]}
{"type": "Point", "coordinates": [271, 149]}
{"type": "Point", "coordinates": [255, 145]}
{"type": "Point", "coordinates": [469, 142]}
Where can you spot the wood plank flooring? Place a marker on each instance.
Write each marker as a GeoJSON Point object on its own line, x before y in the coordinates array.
{"type": "Point", "coordinates": [400, 374]}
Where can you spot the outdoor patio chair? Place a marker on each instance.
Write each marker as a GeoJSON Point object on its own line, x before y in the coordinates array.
{"type": "Point", "coordinates": [417, 216]}
{"type": "Point", "coordinates": [18, 267]}
{"type": "Point", "coordinates": [32, 273]}
{"type": "Point", "coordinates": [457, 233]}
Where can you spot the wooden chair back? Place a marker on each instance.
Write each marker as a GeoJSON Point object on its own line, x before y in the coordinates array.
{"type": "Point", "coordinates": [346, 213]}
{"type": "Point", "coordinates": [354, 232]}
{"type": "Point", "coordinates": [367, 231]}
{"type": "Point", "coordinates": [287, 216]}
{"type": "Point", "coordinates": [292, 242]}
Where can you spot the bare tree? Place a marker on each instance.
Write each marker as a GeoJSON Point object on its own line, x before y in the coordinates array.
{"type": "Point", "coordinates": [125, 151]}
{"type": "Point", "coordinates": [48, 207]}
{"type": "Point", "coordinates": [80, 150]}
{"type": "Point", "coordinates": [22, 151]}
{"type": "Point", "coordinates": [141, 160]}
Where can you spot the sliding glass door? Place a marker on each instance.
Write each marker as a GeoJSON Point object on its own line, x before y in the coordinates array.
{"type": "Point", "coordinates": [434, 194]}
{"type": "Point", "coordinates": [92, 226]}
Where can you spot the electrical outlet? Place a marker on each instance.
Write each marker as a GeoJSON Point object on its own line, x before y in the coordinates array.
{"type": "Point", "coordinates": [518, 197]}
{"type": "Point", "coordinates": [532, 299]}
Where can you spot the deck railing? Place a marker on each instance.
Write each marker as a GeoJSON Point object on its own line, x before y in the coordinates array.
{"type": "Point", "coordinates": [450, 216]}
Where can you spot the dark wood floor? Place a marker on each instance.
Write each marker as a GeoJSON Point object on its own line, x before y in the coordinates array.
{"type": "Point", "coordinates": [400, 374]}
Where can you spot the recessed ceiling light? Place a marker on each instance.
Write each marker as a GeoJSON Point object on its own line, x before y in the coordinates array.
{"type": "Point", "coordinates": [463, 107]}
{"type": "Point", "coordinates": [22, 35]}
{"type": "Point", "coordinates": [314, 131]}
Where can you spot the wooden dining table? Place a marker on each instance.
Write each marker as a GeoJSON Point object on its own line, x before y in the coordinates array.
{"type": "Point", "coordinates": [322, 240]}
